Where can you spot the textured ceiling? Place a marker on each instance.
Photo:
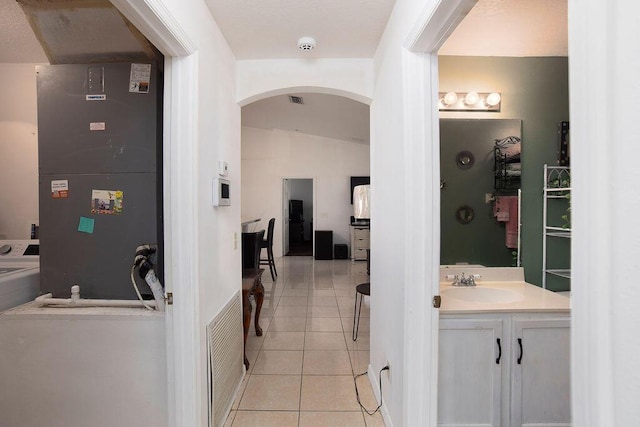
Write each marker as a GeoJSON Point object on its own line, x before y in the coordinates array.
{"type": "Point", "coordinates": [511, 28]}
{"type": "Point", "coordinates": [18, 44]}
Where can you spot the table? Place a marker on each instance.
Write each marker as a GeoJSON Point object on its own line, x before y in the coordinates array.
{"type": "Point", "coordinates": [251, 284]}
{"type": "Point", "coordinates": [245, 224]}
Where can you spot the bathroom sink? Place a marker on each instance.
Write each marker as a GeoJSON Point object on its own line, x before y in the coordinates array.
{"type": "Point", "coordinates": [482, 294]}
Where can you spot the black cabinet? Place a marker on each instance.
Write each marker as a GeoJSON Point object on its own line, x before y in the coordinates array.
{"type": "Point", "coordinates": [324, 244]}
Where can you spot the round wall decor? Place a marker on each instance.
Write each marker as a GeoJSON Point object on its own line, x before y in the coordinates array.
{"type": "Point", "coordinates": [465, 160]}
{"type": "Point", "coordinates": [465, 214]}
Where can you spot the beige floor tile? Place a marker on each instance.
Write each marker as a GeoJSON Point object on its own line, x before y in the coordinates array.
{"type": "Point", "coordinates": [288, 324]}
{"type": "Point", "coordinates": [283, 341]}
{"type": "Point", "coordinates": [271, 392]}
{"type": "Point", "coordinates": [252, 355]}
{"type": "Point", "coordinates": [347, 324]}
{"type": "Point", "coordinates": [322, 285]}
{"type": "Point", "coordinates": [266, 419]}
{"type": "Point", "coordinates": [289, 292]}
{"type": "Point", "coordinates": [326, 363]}
{"type": "Point", "coordinates": [243, 386]}
{"type": "Point", "coordinates": [345, 292]}
{"type": "Point", "coordinates": [324, 341]}
{"type": "Point", "coordinates": [299, 301]}
{"type": "Point", "coordinates": [374, 420]}
{"type": "Point", "coordinates": [326, 301]}
{"type": "Point", "coordinates": [254, 342]}
{"type": "Point", "coordinates": [278, 362]}
{"type": "Point", "coordinates": [328, 393]}
{"type": "Point", "coordinates": [230, 418]}
{"type": "Point", "coordinates": [333, 419]}
{"type": "Point", "coordinates": [367, 398]}
{"type": "Point", "coordinates": [359, 361]}
{"type": "Point", "coordinates": [322, 293]}
{"type": "Point", "coordinates": [322, 311]}
{"type": "Point", "coordinates": [361, 343]}
{"type": "Point", "coordinates": [290, 311]}
{"type": "Point", "coordinates": [324, 324]}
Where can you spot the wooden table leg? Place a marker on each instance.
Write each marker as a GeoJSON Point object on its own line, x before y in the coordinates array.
{"type": "Point", "coordinates": [246, 321]}
{"type": "Point", "coordinates": [259, 293]}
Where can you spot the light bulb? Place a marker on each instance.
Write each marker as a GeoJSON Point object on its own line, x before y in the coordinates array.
{"type": "Point", "coordinates": [450, 98]}
{"type": "Point", "coordinates": [493, 99]}
{"type": "Point", "coordinates": [472, 98]}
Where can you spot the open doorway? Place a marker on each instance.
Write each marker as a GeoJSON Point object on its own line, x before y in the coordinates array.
{"type": "Point", "coordinates": [298, 214]}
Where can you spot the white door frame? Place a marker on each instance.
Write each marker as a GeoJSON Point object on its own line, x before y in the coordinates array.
{"type": "Point", "coordinates": [157, 23]}
{"type": "Point", "coordinates": [422, 121]}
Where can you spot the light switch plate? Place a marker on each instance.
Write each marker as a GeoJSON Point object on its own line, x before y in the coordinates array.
{"type": "Point", "coordinates": [223, 168]}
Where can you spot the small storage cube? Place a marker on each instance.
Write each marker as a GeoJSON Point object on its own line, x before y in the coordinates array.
{"type": "Point", "coordinates": [340, 251]}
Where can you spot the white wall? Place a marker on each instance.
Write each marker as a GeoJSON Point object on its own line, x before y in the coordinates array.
{"type": "Point", "coordinates": [258, 79]}
{"type": "Point", "coordinates": [18, 150]}
{"type": "Point", "coordinates": [268, 156]}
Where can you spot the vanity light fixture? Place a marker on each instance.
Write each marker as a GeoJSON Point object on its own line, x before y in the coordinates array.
{"type": "Point", "coordinates": [470, 101]}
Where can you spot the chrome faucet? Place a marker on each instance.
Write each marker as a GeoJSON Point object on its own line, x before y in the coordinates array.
{"type": "Point", "coordinates": [464, 281]}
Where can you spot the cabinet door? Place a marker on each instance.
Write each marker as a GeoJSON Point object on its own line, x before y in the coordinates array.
{"type": "Point", "coordinates": [541, 379]}
{"type": "Point", "coordinates": [471, 360]}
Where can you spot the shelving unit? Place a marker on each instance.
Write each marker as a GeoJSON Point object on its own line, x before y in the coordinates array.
{"type": "Point", "coordinates": [557, 186]}
{"type": "Point", "coordinates": [506, 179]}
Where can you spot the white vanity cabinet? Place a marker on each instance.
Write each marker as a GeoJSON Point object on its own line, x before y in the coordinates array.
{"type": "Point", "coordinates": [504, 369]}
{"type": "Point", "coordinates": [359, 242]}
{"type": "Point", "coordinates": [540, 372]}
{"type": "Point", "coordinates": [469, 379]}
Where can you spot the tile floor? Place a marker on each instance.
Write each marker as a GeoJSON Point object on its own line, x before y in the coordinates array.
{"type": "Point", "coordinates": [302, 368]}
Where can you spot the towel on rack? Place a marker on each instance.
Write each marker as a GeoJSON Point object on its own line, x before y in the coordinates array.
{"type": "Point", "coordinates": [501, 208]}
{"type": "Point", "coordinates": [511, 238]}
{"type": "Point", "coordinates": [505, 209]}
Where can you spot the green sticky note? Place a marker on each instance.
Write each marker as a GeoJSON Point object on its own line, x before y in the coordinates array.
{"type": "Point", "coordinates": [86, 225]}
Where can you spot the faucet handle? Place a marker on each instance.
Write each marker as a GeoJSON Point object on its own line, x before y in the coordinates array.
{"type": "Point", "coordinates": [456, 281]}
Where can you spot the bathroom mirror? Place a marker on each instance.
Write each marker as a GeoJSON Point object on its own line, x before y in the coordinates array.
{"type": "Point", "coordinates": [467, 208]}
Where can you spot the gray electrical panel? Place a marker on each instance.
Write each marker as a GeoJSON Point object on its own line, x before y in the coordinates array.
{"type": "Point", "coordinates": [100, 177]}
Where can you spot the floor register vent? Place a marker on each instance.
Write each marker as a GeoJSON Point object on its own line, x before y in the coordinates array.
{"type": "Point", "coordinates": [225, 367]}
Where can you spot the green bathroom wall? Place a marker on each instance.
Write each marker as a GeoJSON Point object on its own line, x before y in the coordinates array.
{"type": "Point", "coordinates": [536, 91]}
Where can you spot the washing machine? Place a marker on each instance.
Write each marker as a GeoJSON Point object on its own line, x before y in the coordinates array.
{"type": "Point", "coordinates": [19, 272]}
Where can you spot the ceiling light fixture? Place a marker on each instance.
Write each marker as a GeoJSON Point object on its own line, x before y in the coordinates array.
{"type": "Point", "coordinates": [306, 43]}
{"type": "Point", "coordinates": [470, 101]}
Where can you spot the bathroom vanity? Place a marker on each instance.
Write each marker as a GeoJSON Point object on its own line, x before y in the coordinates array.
{"type": "Point", "coordinates": [504, 352]}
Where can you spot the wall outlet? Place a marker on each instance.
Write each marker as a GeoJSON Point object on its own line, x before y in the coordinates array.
{"type": "Point", "coordinates": [235, 241]}
{"type": "Point", "coordinates": [387, 371]}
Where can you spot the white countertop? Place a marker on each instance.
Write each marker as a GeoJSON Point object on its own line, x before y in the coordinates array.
{"type": "Point", "coordinates": [510, 296]}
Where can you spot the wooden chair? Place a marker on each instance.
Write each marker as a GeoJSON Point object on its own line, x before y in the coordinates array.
{"type": "Point", "coordinates": [268, 244]}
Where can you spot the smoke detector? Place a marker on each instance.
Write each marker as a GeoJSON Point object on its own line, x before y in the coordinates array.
{"type": "Point", "coordinates": [306, 43]}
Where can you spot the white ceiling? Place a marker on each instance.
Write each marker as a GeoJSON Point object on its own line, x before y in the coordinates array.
{"type": "Point", "coordinates": [270, 29]}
